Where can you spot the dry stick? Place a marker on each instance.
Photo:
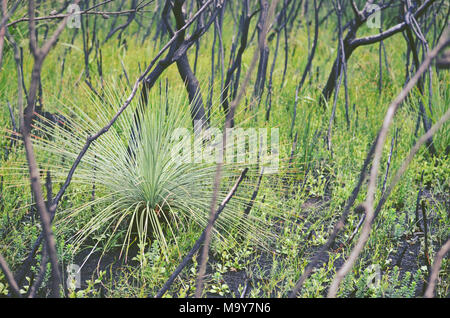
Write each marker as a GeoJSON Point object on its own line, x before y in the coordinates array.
{"type": "Point", "coordinates": [339, 225]}
{"type": "Point", "coordinates": [91, 138]}
{"type": "Point", "coordinates": [229, 119]}
{"type": "Point", "coordinates": [177, 52]}
{"type": "Point", "coordinates": [333, 111]}
{"type": "Point", "coordinates": [122, 27]}
{"type": "Point", "coordinates": [235, 64]}
{"type": "Point", "coordinates": [221, 57]}
{"type": "Point", "coordinates": [88, 83]}
{"type": "Point", "coordinates": [211, 78]}
{"type": "Point", "coordinates": [286, 40]}
{"type": "Point", "coordinates": [429, 293]}
{"type": "Point", "coordinates": [14, 137]}
{"type": "Point", "coordinates": [255, 192]}
{"type": "Point", "coordinates": [352, 43]}
{"type": "Point", "coordinates": [400, 172]}
{"type": "Point", "coordinates": [416, 28]}
{"type": "Point", "coordinates": [388, 164]}
{"type": "Point", "coordinates": [9, 276]}
{"type": "Point", "coordinates": [184, 68]}
{"type": "Point", "coordinates": [17, 59]}
{"type": "Point", "coordinates": [443, 28]}
{"type": "Point", "coordinates": [200, 240]}
{"type": "Point", "coordinates": [3, 29]}
{"type": "Point", "coordinates": [294, 147]}
{"type": "Point", "coordinates": [380, 63]}
{"type": "Point", "coordinates": [376, 162]}
{"type": "Point", "coordinates": [83, 12]}
{"type": "Point", "coordinates": [422, 112]}
{"type": "Point", "coordinates": [114, 21]}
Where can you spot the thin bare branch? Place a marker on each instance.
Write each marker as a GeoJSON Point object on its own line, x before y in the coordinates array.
{"type": "Point", "coordinates": [201, 239]}
{"type": "Point", "coordinates": [429, 293]}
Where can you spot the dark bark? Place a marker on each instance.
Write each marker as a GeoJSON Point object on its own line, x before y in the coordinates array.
{"type": "Point", "coordinates": [308, 64]}
{"type": "Point", "coordinates": [351, 42]}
